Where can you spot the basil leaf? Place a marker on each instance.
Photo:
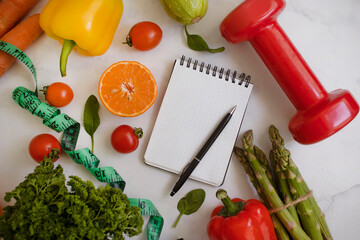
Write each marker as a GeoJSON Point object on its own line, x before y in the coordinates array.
{"type": "Point", "coordinates": [197, 43]}
{"type": "Point", "coordinates": [190, 203]}
{"type": "Point", "coordinates": [91, 117]}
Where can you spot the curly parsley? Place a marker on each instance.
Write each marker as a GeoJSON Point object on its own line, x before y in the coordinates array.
{"type": "Point", "coordinates": [46, 209]}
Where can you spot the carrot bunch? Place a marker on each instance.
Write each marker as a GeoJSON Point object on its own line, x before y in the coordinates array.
{"type": "Point", "coordinates": [22, 34]}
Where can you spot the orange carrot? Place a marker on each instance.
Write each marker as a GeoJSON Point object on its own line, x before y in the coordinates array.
{"type": "Point", "coordinates": [12, 11]}
{"type": "Point", "coordinates": [21, 36]}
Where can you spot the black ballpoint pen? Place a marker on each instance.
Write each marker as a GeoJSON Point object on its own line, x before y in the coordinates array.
{"type": "Point", "coordinates": [192, 165]}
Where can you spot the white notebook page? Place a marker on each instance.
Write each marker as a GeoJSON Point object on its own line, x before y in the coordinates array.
{"type": "Point", "coordinates": [193, 106]}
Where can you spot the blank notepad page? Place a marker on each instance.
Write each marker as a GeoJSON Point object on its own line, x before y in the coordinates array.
{"type": "Point", "coordinates": [194, 104]}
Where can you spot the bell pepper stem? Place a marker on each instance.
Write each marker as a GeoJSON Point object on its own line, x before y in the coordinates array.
{"type": "Point", "coordinates": [232, 208]}
{"type": "Point", "coordinates": [67, 47]}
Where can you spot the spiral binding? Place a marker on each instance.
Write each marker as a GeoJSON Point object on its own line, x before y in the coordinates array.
{"type": "Point", "coordinates": [206, 68]}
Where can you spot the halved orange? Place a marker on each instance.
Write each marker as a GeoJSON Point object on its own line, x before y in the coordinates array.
{"type": "Point", "coordinates": [127, 89]}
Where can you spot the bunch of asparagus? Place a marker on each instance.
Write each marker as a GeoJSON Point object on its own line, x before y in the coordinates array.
{"type": "Point", "coordinates": [280, 186]}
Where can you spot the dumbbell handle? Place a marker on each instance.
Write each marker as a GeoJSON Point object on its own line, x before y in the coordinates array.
{"type": "Point", "coordinates": [287, 66]}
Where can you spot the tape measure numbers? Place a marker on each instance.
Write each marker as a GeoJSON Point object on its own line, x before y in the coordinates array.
{"type": "Point", "coordinates": [156, 222]}
{"type": "Point", "coordinates": [60, 122]}
{"type": "Point", "coordinates": [20, 55]}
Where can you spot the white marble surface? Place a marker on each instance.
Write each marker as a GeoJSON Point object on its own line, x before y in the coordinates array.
{"type": "Point", "coordinates": [326, 33]}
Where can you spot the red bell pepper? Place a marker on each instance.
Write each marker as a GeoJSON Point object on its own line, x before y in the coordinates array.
{"type": "Point", "coordinates": [240, 220]}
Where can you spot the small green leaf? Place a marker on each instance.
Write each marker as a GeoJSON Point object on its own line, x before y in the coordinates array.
{"type": "Point", "coordinates": [197, 43]}
{"type": "Point", "coordinates": [91, 117]}
{"type": "Point", "coordinates": [190, 203]}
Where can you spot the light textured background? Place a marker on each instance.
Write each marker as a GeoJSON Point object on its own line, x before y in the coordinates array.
{"type": "Point", "coordinates": [325, 32]}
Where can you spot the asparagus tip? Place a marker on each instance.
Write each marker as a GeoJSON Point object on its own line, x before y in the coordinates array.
{"type": "Point", "coordinates": [275, 135]}
{"type": "Point", "coordinates": [248, 138]}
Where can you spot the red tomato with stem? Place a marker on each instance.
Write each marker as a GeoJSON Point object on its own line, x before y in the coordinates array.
{"type": "Point", "coordinates": [58, 94]}
{"type": "Point", "coordinates": [144, 36]}
{"type": "Point", "coordinates": [44, 145]}
{"type": "Point", "coordinates": [125, 139]}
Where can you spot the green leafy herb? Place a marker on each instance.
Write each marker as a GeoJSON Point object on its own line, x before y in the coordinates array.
{"type": "Point", "coordinates": [91, 117]}
{"type": "Point", "coordinates": [190, 203]}
{"type": "Point", "coordinates": [44, 208]}
{"type": "Point", "coordinates": [197, 43]}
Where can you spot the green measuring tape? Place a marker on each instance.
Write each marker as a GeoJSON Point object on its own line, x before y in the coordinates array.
{"type": "Point", "coordinates": [20, 55]}
{"type": "Point", "coordinates": [60, 122]}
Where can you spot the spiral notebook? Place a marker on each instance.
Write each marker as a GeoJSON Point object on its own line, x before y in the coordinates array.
{"type": "Point", "coordinates": [197, 97]}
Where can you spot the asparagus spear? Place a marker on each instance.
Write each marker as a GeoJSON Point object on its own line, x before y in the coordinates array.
{"type": "Point", "coordinates": [305, 209]}
{"type": "Point", "coordinates": [275, 135]}
{"type": "Point", "coordinates": [319, 214]}
{"type": "Point", "coordinates": [279, 173]}
{"type": "Point", "coordinates": [241, 156]}
{"type": "Point", "coordinates": [280, 231]}
{"type": "Point", "coordinates": [261, 156]}
{"type": "Point", "coordinates": [282, 186]}
{"type": "Point", "coordinates": [269, 191]}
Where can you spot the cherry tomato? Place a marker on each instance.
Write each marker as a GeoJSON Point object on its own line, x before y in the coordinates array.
{"type": "Point", "coordinates": [58, 94]}
{"type": "Point", "coordinates": [144, 36]}
{"type": "Point", "coordinates": [125, 139]}
{"type": "Point", "coordinates": [42, 145]}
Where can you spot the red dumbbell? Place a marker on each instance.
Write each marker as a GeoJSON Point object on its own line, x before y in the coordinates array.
{"type": "Point", "coordinates": [319, 113]}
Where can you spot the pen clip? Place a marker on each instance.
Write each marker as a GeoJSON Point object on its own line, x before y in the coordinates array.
{"type": "Point", "coordinates": [188, 164]}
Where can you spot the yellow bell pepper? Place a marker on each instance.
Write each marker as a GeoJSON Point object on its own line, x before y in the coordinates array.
{"type": "Point", "coordinates": [88, 26]}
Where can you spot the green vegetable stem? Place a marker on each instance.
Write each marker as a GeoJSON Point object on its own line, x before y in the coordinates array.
{"type": "Point", "coordinates": [309, 211]}
{"type": "Point", "coordinates": [301, 216]}
{"type": "Point", "coordinates": [91, 117]}
{"type": "Point", "coordinates": [197, 43]}
{"type": "Point", "coordinates": [280, 230]}
{"type": "Point", "coordinates": [269, 191]}
{"type": "Point", "coordinates": [190, 203]}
